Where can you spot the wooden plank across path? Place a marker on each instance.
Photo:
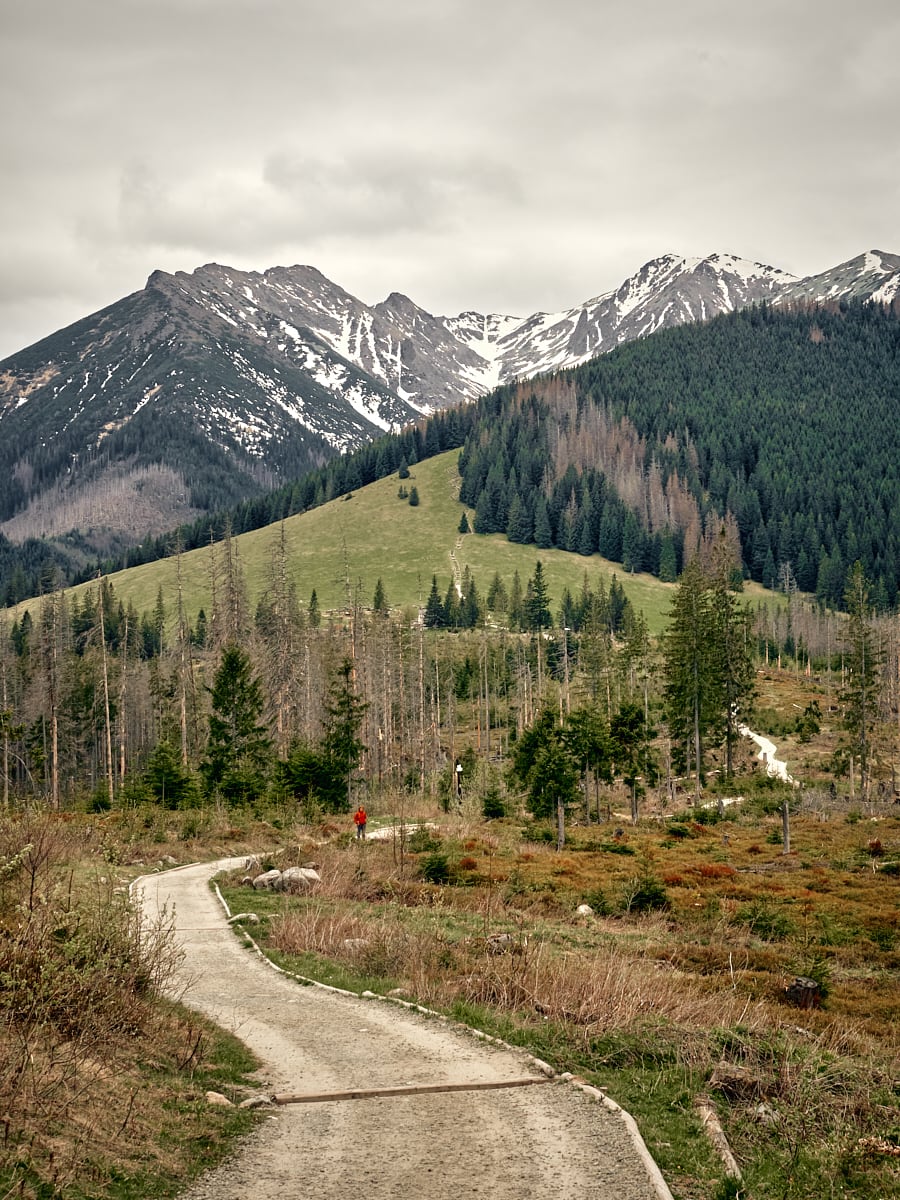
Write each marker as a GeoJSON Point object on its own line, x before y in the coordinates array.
{"type": "Point", "coordinates": [459, 1125]}
{"type": "Point", "coordinates": [422, 1089]}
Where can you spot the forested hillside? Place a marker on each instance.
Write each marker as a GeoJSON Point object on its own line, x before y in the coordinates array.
{"type": "Point", "coordinates": [779, 426]}
{"type": "Point", "coordinates": [782, 423]}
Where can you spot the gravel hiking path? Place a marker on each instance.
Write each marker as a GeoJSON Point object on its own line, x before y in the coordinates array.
{"type": "Point", "coordinates": [512, 1143]}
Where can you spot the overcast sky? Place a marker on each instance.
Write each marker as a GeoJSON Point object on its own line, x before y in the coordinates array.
{"type": "Point", "coordinates": [499, 155]}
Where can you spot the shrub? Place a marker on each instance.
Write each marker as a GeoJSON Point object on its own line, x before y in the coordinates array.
{"type": "Point", "coordinates": [435, 867]}
{"type": "Point", "coordinates": [679, 831]}
{"type": "Point", "coordinates": [644, 893]}
{"type": "Point", "coordinates": [765, 920]}
{"type": "Point", "coordinates": [533, 832]}
{"type": "Point", "coordinates": [598, 902]}
{"type": "Point", "coordinates": [423, 841]}
{"type": "Point", "coordinates": [492, 805]}
{"type": "Point", "coordinates": [714, 871]}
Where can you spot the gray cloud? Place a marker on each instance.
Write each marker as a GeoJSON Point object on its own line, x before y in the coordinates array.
{"type": "Point", "coordinates": [505, 156]}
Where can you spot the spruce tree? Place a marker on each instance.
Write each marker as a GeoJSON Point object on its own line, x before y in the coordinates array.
{"type": "Point", "coordinates": [863, 658]}
{"type": "Point", "coordinates": [435, 615]}
{"type": "Point", "coordinates": [537, 603]}
{"type": "Point", "coordinates": [693, 692]}
{"type": "Point", "coordinates": [380, 600]}
{"type": "Point", "coordinates": [497, 597]}
{"type": "Point", "coordinates": [238, 748]}
{"type": "Point", "coordinates": [543, 534]}
{"type": "Point", "coordinates": [732, 651]}
{"type": "Point", "coordinates": [341, 746]}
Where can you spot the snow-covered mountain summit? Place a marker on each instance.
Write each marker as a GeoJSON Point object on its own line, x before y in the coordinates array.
{"type": "Point", "coordinates": [431, 361]}
{"type": "Point", "coordinates": [237, 380]}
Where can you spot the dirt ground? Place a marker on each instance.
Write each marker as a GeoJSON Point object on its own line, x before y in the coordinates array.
{"type": "Point", "coordinates": [549, 1141]}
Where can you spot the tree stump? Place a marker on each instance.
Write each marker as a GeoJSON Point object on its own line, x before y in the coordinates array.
{"type": "Point", "coordinates": [804, 993]}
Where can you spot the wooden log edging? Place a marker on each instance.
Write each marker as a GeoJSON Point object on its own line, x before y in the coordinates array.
{"type": "Point", "coordinates": [712, 1127]}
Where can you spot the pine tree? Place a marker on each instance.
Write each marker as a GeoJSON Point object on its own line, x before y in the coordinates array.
{"type": "Point", "coordinates": [435, 615]}
{"type": "Point", "coordinates": [380, 601]}
{"type": "Point", "coordinates": [693, 693]}
{"type": "Point", "coordinates": [861, 694]}
{"type": "Point", "coordinates": [342, 747]}
{"type": "Point", "coordinates": [238, 748]}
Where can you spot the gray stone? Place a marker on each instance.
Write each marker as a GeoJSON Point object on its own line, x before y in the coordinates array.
{"type": "Point", "coordinates": [268, 879]}
{"type": "Point", "coordinates": [297, 879]}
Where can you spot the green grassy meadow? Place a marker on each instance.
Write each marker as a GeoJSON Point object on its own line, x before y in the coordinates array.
{"type": "Point", "coordinates": [372, 534]}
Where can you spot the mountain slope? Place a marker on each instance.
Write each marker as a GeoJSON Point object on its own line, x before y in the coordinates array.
{"type": "Point", "coordinates": [205, 388]}
{"type": "Point", "coordinates": [781, 422]}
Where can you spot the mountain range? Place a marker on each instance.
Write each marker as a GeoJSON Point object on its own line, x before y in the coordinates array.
{"type": "Point", "coordinates": [204, 388]}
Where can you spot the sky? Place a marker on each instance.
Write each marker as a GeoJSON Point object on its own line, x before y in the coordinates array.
{"type": "Point", "coordinates": [497, 155]}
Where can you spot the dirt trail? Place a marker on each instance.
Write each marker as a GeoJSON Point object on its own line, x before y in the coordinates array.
{"type": "Point", "coordinates": [548, 1141]}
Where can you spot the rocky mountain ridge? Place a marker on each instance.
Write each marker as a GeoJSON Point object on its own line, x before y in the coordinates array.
{"type": "Point", "coordinates": [235, 381]}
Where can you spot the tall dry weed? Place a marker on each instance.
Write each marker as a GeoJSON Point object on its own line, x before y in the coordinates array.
{"type": "Point", "coordinates": [78, 971]}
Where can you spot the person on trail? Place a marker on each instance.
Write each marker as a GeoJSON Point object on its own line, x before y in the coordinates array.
{"type": "Point", "coordinates": [359, 819]}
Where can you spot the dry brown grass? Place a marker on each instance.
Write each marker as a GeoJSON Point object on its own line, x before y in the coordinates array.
{"type": "Point", "coordinates": [90, 1059]}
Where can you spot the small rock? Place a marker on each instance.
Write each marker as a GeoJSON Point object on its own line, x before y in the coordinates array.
{"type": "Point", "coordinates": [504, 943]}
{"type": "Point", "coordinates": [256, 1102]}
{"type": "Point", "coordinates": [218, 1099]}
{"type": "Point", "coordinates": [168, 861]}
{"type": "Point", "coordinates": [268, 879]}
{"type": "Point", "coordinates": [584, 910]}
{"type": "Point", "coordinates": [766, 1115]}
{"type": "Point", "coordinates": [735, 1081]}
{"type": "Point", "coordinates": [354, 943]}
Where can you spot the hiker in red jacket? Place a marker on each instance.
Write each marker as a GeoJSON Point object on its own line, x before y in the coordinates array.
{"type": "Point", "coordinates": [359, 818]}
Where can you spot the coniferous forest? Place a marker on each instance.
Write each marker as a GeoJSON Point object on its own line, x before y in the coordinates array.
{"type": "Point", "coordinates": [781, 423]}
